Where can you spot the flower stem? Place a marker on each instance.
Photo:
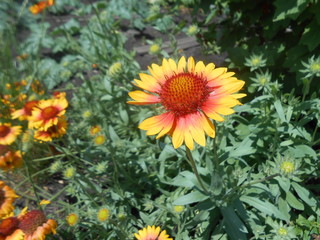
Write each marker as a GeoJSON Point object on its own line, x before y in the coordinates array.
{"type": "Point", "coordinates": [31, 181]}
{"type": "Point", "coordinates": [195, 170]}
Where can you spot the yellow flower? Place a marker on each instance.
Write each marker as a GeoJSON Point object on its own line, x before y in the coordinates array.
{"type": "Point", "coordinates": [99, 140]}
{"type": "Point", "coordinates": [103, 214]}
{"type": "Point", "coordinates": [54, 131]}
{"type": "Point", "coordinates": [8, 133]}
{"type": "Point", "coordinates": [47, 112]}
{"type": "Point", "coordinates": [72, 219]}
{"type": "Point", "coordinates": [190, 94]}
{"type": "Point", "coordinates": [11, 160]}
{"type": "Point", "coordinates": [152, 233]}
{"type": "Point", "coordinates": [25, 112]}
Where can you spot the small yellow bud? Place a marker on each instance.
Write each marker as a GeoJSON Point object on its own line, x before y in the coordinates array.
{"type": "Point", "coordinates": [178, 208]}
{"type": "Point", "coordinates": [115, 69]}
{"type": "Point", "coordinates": [103, 214]}
{"type": "Point", "coordinates": [72, 219]}
{"type": "Point", "coordinates": [69, 172]}
{"type": "Point", "coordinates": [86, 114]}
{"type": "Point", "coordinates": [154, 49]}
{"type": "Point", "coordinates": [282, 231]}
{"type": "Point", "coordinates": [287, 167]}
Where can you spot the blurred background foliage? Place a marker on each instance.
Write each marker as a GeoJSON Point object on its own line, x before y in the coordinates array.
{"type": "Point", "coordinates": [262, 169]}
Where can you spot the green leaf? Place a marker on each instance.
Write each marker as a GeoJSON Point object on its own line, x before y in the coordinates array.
{"type": "Point", "coordinates": [294, 202]}
{"type": "Point", "coordinates": [304, 194]}
{"type": "Point", "coordinates": [289, 9]}
{"type": "Point", "coordinates": [280, 111]}
{"type": "Point", "coordinates": [189, 198]}
{"type": "Point", "coordinates": [234, 226]}
{"type": "Point", "coordinates": [264, 207]}
{"type": "Point", "coordinates": [311, 36]}
{"type": "Point", "coordinates": [244, 148]}
{"type": "Point", "coordinates": [113, 135]}
{"type": "Point", "coordinates": [301, 151]}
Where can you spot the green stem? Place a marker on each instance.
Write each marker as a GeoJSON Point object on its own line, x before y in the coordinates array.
{"type": "Point", "coordinates": [260, 180]}
{"type": "Point", "coordinates": [195, 170]}
{"type": "Point", "coordinates": [31, 181]}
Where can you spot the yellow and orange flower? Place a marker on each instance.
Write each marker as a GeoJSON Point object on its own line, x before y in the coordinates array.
{"type": "Point", "coordinates": [40, 6]}
{"type": "Point", "coordinates": [35, 225]}
{"type": "Point", "coordinates": [25, 112]}
{"type": "Point", "coordinates": [8, 133]}
{"type": "Point", "coordinates": [152, 233]}
{"type": "Point", "coordinates": [190, 94]}
{"type": "Point", "coordinates": [54, 131]}
{"type": "Point", "coordinates": [7, 197]}
{"type": "Point", "coordinates": [10, 160]}
{"type": "Point", "coordinates": [94, 130]}
{"type": "Point", "coordinates": [47, 113]}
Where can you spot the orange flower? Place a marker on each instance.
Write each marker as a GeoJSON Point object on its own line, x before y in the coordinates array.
{"type": "Point", "coordinates": [47, 112]}
{"type": "Point", "coordinates": [8, 134]}
{"type": "Point", "coordinates": [7, 197]}
{"type": "Point", "coordinates": [11, 160]}
{"type": "Point", "coordinates": [40, 6]}
{"type": "Point", "coordinates": [94, 130]}
{"type": "Point", "coordinates": [35, 225]}
{"type": "Point", "coordinates": [152, 233]}
{"type": "Point", "coordinates": [54, 131]}
{"type": "Point", "coordinates": [25, 112]}
{"type": "Point", "coordinates": [190, 94]}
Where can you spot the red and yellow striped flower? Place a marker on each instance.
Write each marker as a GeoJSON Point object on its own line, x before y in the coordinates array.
{"type": "Point", "coordinates": [54, 131]}
{"type": "Point", "coordinates": [47, 113]}
{"type": "Point", "coordinates": [8, 133]}
{"type": "Point", "coordinates": [152, 233]}
{"type": "Point", "coordinates": [190, 94]}
{"type": "Point", "coordinates": [25, 112]}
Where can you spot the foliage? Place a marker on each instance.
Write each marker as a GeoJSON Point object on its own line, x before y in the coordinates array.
{"type": "Point", "coordinates": [257, 179]}
{"type": "Point", "coordinates": [281, 31]}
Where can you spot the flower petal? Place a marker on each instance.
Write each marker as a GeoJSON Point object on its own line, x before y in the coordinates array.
{"type": "Point", "coordinates": [182, 65]}
{"type": "Point", "coordinates": [191, 64]}
{"type": "Point", "coordinates": [161, 124]}
{"type": "Point", "coordinates": [142, 98]}
{"type": "Point", "coordinates": [157, 73]}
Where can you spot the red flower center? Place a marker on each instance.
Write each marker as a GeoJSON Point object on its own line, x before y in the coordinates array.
{"type": "Point", "coordinates": [4, 131]}
{"type": "Point", "coordinates": [31, 221]}
{"type": "Point", "coordinates": [49, 112]}
{"type": "Point", "coordinates": [29, 106]}
{"type": "Point", "coordinates": [184, 93]}
{"type": "Point", "coordinates": [8, 225]}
